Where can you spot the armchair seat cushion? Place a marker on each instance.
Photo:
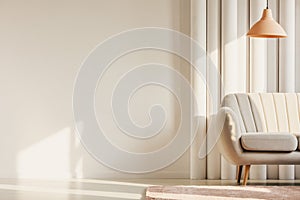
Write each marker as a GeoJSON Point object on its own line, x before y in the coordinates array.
{"type": "Point", "coordinates": [263, 141]}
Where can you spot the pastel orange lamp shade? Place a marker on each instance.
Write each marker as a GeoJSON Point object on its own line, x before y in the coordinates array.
{"type": "Point", "coordinates": [267, 27]}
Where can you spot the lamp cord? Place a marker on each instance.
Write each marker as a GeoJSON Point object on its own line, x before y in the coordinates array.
{"type": "Point", "coordinates": [267, 4]}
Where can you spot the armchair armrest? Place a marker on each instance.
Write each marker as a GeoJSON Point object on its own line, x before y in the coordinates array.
{"type": "Point", "coordinates": [230, 133]}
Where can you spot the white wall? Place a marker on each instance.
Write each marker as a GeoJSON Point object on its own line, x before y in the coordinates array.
{"type": "Point", "coordinates": [42, 44]}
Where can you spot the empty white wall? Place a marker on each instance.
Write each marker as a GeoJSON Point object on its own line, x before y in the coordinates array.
{"type": "Point", "coordinates": [43, 43]}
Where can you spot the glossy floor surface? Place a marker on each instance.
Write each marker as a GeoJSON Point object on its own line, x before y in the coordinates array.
{"type": "Point", "coordinates": [92, 189]}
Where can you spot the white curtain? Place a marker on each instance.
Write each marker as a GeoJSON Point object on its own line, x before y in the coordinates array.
{"type": "Point", "coordinates": [246, 65]}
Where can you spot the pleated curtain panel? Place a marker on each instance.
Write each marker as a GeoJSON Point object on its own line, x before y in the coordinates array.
{"type": "Point", "coordinates": [244, 65]}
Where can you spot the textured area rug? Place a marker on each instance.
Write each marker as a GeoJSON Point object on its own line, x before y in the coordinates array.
{"type": "Point", "coordinates": [223, 192]}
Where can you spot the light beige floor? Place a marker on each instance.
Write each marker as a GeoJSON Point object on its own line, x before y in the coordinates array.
{"type": "Point", "coordinates": [91, 189]}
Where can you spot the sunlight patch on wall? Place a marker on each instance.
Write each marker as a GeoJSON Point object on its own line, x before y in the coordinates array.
{"type": "Point", "coordinates": [49, 158]}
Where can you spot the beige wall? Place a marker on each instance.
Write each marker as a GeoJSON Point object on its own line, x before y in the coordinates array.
{"type": "Point", "coordinates": [42, 45]}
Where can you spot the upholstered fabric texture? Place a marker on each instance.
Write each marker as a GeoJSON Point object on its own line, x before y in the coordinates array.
{"type": "Point", "coordinates": [260, 128]}
{"type": "Point", "coordinates": [259, 141]}
{"type": "Point", "coordinates": [266, 112]}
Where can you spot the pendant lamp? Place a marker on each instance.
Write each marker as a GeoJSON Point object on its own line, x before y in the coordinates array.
{"type": "Point", "coordinates": [267, 27]}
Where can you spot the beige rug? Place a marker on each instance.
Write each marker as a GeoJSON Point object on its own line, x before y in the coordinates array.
{"type": "Point", "coordinates": [223, 192]}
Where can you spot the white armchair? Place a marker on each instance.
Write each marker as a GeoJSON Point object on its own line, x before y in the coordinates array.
{"type": "Point", "coordinates": [260, 129]}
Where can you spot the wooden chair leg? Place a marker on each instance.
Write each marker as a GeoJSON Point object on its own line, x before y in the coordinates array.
{"type": "Point", "coordinates": [247, 169]}
{"type": "Point", "coordinates": [239, 173]}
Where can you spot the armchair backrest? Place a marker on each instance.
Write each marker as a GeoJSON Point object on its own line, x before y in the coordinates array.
{"type": "Point", "coordinates": [265, 112]}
